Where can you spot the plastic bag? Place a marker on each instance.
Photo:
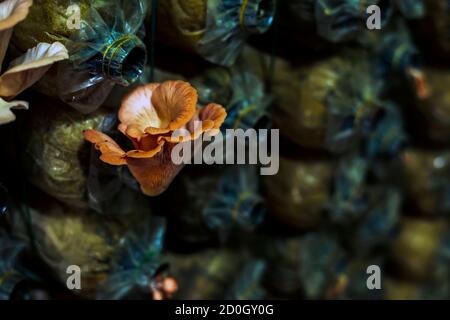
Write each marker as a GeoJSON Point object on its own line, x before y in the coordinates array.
{"type": "Point", "coordinates": [411, 9]}
{"type": "Point", "coordinates": [397, 59]}
{"type": "Point", "coordinates": [308, 267]}
{"type": "Point", "coordinates": [136, 269]}
{"type": "Point", "coordinates": [215, 29]}
{"type": "Point", "coordinates": [235, 202]}
{"type": "Point", "coordinates": [298, 194]}
{"type": "Point", "coordinates": [65, 236]}
{"type": "Point", "coordinates": [56, 155]}
{"type": "Point", "coordinates": [248, 283]}
{"type": "Point", "coordinates": [214, 205]}
{"type": "Point", "coordinates": [349, 199]}
{"type": "Point", "coordinates": [216, 274]}
{"type": "Point", "coordinates": [104, 46]}
{"type": "Point", "coordinates": [367, 212]}
{"type": "Point", "coordinates": [239, 90]}
{"type": "Point", "coordinates": [60, 162]}
{"type": "Point", "coordinates": [228, 25]}
{"type": "Point", "coordinates": [339, 20]}
{"type": "Point", "coordinates": [389, 136]}
{"type": "Point", "coordinates": [379, 221]}
{"type": "Point", "coordinates": [330, 105]}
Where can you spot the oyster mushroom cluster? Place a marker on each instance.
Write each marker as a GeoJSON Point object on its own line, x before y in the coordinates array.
{"type": "Point", "coordinates": [152, 116]}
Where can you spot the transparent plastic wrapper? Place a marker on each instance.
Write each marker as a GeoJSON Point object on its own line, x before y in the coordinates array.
{"type": "Point", "coordinates": [298, 194]}
{"type": "Point", "coordinates": [60, 162]}
{"type": "Point", "coordinates": [110, 190]}
{"type": "Point", "coordinates": [229, 23]}
{"type": "Point", "coordinates": [339, 20]}
{"type": "Point", "coordinates": [216, 204]}
{"type": "Point", "coordinates": [65, 236]}
{"type": "Point", "coordinates": [420, 248]}
{"type": "Point", "coordinates": [378, 223]}
{"type": "Point", "coordinates": [236, 201]}
{"type": "Point", "coordinates": [330, 105]}
{"type": "Point", "coordinates": [10, 275]}
{"type": "Point", "coordinates": [56, 156]}
{"type": "Point", "coordinates": [215, 84]}
{"type": "Point", "coordinates": [215, 29]}
{"type": "Point", "coordinates": [397, 58]}
{"type": "Point", "coordinates": [389, 136]}
{"type": "Point", "coordinates": [426, 179]}
{"type": "Point", "coordinates": [411, 9]}
{"type": "Point", "coordinates": [311, 267]}
{"type": "Point", "coordinates": [397, 51]}
{"type": "Point", "coordinates": [238, 89]}
{"type": "Point", "coordinates": [138, 270]}
{"type": "Point", "coordinates": [216, 274]}
{"type": "Point", "coordinates": [320, 273]}
{"type": "Point", "coordinates": [296, 27]}
{"type": "Point", "coordinates": [247, 284]}
{"type": "Point", "coordinates": [349, 199]}
{"type": "Point", "coordinates": [368, 212]}
{"type": "Point", "coordinates": [104, 43]}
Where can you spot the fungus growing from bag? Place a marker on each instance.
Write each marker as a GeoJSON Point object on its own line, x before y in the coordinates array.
{"type": "Point", "coordinates": [149, 116]}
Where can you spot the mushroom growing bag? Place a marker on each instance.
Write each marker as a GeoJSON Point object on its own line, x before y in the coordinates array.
{"type": "Point", "coordinates": [216, 29]}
